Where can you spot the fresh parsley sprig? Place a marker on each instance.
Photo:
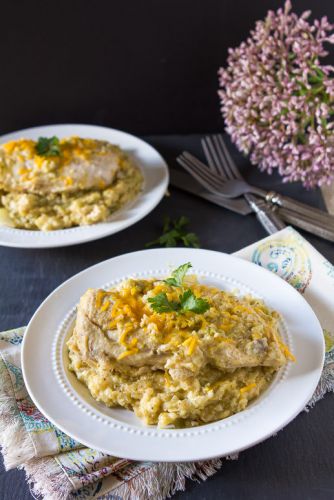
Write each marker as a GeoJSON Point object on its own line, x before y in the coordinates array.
{"type": "Point", "coordinates": [174, 232]}
{"type": "Point", "coordinates": [187, 300]}
{"type": "Point", "coordinates": [161, 304]}
{"type": "Point", "coordinates": [178, 275]}
{"type": "Point", "coordinates": [48, 146]}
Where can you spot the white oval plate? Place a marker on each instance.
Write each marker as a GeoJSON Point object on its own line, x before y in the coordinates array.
{"type": "Point", "coordinates": [68, 404]}
{"type": "Point", "coordinates": [151, 163]}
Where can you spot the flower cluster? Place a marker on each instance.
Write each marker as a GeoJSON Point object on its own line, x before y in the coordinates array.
{"type": "Point", "coordinates": [278, 99]}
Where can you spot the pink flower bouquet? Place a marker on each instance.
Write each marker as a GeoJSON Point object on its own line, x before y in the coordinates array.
{"type": "Point", "coordinates": [278, 98]}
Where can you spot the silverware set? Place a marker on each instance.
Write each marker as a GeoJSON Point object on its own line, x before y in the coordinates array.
{"type": "Point", "coordinates": [223, 184]}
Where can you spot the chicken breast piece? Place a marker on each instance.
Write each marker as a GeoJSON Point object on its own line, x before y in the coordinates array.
{"type": "Point", "coordinates": [82, 164]}
{"type": "Point", "coordinates": [95, 339]}
{"type": "Point", "coordinates": [172, 366]}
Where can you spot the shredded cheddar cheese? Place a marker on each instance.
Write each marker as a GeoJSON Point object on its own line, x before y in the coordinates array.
{"type": "Point", "coordinates": [105, 306]}
{"type": "Point", "coordinates": [130, 311]}
{"type": "Point", "coordinates": [168, 380]}
{"type": "Point", "coordinates": [23, 170]}
{"type": "Point", "coordinates": [286, 351]}
{"type": "Point", "coordinates": [225, 339]}
{"type": "Point", "coordinates": [176, 366]}
{"type": "Point", "coordinates": [191, 343]}
{"type": "Point", "coordinates": [57, 183]}
{"type": "Point", "coordinates": [247, 388]}
{"type": "Point", "coordinates": [129, 352]}
{"type": "Point", "coordinates": [68, 181]}
{"type": "Point", "coordinates": [99, 298]}
{"type": "Point", "coordinates": [128, 328]}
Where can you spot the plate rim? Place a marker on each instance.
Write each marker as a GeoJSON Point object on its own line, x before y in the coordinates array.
{"type": "Point", "coordinates": [204, 455]}
{"type": "Point", "coordinates": [77, 239]}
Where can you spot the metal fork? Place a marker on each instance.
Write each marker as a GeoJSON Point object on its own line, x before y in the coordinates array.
{"type": "Point", "coordinates": [215, 151]}
{"type": "Point", "coordinates": [266, 215]}
{"type": "Point", "coordinates": [224, 167]}
{"type": "Point", "coordinates": [191, 164]}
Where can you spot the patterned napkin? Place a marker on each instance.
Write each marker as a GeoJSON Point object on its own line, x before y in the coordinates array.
{"type": "Point", "coordinates": [59, 468]}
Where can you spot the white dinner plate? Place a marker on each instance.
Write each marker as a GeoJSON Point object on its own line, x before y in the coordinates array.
{"type": "Point", "coordinates": [68, 404]}
{"type": "Point", "coordinates": [150, 162]}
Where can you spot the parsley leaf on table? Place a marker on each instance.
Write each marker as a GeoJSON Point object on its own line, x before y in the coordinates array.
{"type": "Point", "coordinates": [174, 232]}
{"type": "Point", "coordinates": [190, 240]}
{"type": "Point", "coordinates": [48, 146]}
{"type": "Point", "coordinates": [178, 275]}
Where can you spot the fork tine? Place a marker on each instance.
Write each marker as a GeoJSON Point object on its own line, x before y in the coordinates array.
{"type": "Point", "coordinates": [197, 171]}
{"type": "Point", "coordinates": [223, 163]}
{"type": "Point", "coordinates": [211, 156]}
{"type": "Point", "coordinates": [202, 169]}
{"type": "Point", "coordinates": [208, 157]}
{"type": "Point", "coordinates": [215, 157]}
{"type": "Point", "coordinates": [195, 175]}
{"type": "Point", "coordinates": [222, 160]}
{"type": "Point", "coordinates": [198, 174]}
{"type": "Point", "coordinates": [212, 152]}
{"type": "Point", "coordinates": [233, 168]}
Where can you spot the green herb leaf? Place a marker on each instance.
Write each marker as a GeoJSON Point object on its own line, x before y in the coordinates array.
{"type": "Point", "coordinates": [189, 302]}
{"type": "Point", "coordinates": [190, 240]}
{"type": "Point", "coordinates": [174, 233]}
{"type": "Point", "coordinates": [178, 275]}
{"type": "Point", "coordinates": [166, 240]}
{"type": "Point", "coordinates": [48, 146]}
{"type": "Point", "coordinates": [161, 304]}
{"type": "Point", "coordinates": [180, 223]}
{"type": "Point", "coordinates": [166, 225]}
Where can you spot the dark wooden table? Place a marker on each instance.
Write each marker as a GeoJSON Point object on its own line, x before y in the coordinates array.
{"type": "Point", "coordinates": [297, 464]}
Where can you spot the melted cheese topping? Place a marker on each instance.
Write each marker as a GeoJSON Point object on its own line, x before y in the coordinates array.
{"type": "Point", "coordinates": [73, 147]}
{"type": "Point", "coordinates": [173, 368]}
{"type": "Point", "coordinates": [86, 182]}
{"type": "Point", "coordinates": [130, 311]}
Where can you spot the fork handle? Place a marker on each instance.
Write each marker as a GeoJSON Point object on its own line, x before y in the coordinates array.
{"type": "Point", "coordinates": [265, 215]}
{"type": "Point", "coordinates": [312, 227]}
{"type": "Point", "coordinates": [299, 208]}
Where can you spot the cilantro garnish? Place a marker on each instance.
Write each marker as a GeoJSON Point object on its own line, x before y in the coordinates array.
{"type": "Point", "coordinates": [174, 232]}
{"type": "Point", "coordinates": [48, 146]}
{"type": "Point", "coordinates": [161, 304]}
{"type": "Point", "coordinates": [178, 275]}
{"type": "Point", "coordinates": [187, 300]}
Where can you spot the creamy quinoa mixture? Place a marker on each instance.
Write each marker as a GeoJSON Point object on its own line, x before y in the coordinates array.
{"type": "Point", "coordinates": [172, 368]}
{"type": "Point", "coordinates": [80, 181]}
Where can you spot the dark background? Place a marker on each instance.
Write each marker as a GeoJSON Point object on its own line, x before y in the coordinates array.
{"type": "Point", "coordinates": [145, 66]}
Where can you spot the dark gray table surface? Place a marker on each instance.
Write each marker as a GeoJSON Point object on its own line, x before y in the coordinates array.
{"type": "Point", "coordinates": [297, 464]}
